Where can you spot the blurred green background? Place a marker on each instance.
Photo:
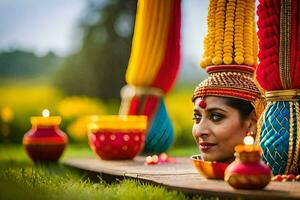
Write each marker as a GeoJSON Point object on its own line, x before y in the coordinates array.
{"type": "Point", "coordinates": [71, 57]}
{"type": "Point", "coordinates": [88, 79]}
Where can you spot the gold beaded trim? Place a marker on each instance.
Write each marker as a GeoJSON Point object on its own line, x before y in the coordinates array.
{"type": "Point", "coordinates": [298, 139]}
{"type": "Point", "coordinates": [285, 34]}
{"type": "Point", "coordinates": [291, 138]}
{"type": "Point", "coordinates": [296, 152]}
{"type": "Point", "coordinates": [228, 80]}
{"type": "Point", "coordinates": [283, 95]}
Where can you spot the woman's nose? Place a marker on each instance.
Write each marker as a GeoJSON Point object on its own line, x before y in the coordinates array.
{"type": "Point", "coordinates": [202, 129]}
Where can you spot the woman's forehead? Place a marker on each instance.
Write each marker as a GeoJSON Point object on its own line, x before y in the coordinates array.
{"type": "Point", "coordinates": [210, 101]}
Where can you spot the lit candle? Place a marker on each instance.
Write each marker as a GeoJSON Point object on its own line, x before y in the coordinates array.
{"type": "Point", "coordinates": [45, 141]}
{"type": "Point", "coordinates": [247, 171]}
{"type": "Point", "coordinates": [248, 140]}
{"type": "Point", "coordinates": [45, 113]}
{"type": "Point", "coordinates": [45, 119]}
{"type": "Point", "coordinates": [248, 145]}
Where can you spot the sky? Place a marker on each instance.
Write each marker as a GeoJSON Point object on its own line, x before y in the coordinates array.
{"type": "Point", "coordinates": [40, 25]}
{"type": "Point", "coordinates": [52, 25]}
{"type": "Point", "coordinates": [193, 30]}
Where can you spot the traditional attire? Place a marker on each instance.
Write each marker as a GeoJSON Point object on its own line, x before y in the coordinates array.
{"type": "Point", "coordinates": [279, 74]}
{"type": "Point", "coordinates": [152, 68]}
{"type": "Point", "coordinates": [230, 53]}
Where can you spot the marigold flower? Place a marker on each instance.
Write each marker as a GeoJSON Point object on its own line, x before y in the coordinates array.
{"type": "Point", "coordinates": [231, 36]}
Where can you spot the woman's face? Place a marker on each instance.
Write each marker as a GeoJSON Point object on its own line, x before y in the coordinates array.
{"type": "Point", "coordinates": [218, 129]}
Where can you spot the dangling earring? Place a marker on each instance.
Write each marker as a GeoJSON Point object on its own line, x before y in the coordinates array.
{"type": "Point", "coordinates": [250, 133]}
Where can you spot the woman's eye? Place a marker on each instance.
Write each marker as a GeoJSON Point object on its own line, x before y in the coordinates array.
{"type": "Point", "coordinates": [216, 117]}
{"type": "Point", "coordinates": [197, 118]}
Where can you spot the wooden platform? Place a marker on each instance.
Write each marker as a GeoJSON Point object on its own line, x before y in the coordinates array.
{"type": "Point", "coordinates": [181, 176]}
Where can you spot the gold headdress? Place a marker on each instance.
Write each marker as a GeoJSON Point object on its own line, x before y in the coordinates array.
{"type": "Point", "coordinates": [230, 52]}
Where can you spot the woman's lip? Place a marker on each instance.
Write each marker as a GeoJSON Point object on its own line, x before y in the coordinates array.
{"type": "Point", "coordinates": [205, 146]}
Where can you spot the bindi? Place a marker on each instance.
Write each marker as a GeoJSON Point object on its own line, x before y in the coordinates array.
{"type": "Point", "coordinates": [202, 103]}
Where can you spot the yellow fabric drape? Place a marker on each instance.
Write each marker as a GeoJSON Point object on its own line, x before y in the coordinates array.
{"type": "Point", "coordinates": [149, 41]}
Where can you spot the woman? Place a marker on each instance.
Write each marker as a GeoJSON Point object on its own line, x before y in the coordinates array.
{"type": "Point", "coordinates": [227, 103]}
{"type": "Point", "coordinates": [221, 125]}
{"type": "Point", "coordinates": [226, 109]}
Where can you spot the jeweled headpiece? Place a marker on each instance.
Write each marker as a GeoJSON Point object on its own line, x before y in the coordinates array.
{"type": "Point", "coordinates": [230, 52]}
{"type": "Point", "coordinates": [228, 81]}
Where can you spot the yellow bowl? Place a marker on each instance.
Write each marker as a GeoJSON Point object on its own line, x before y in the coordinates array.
{"type": "Point", "coordinates": [117, 122]}
{"type": "Point", "coordinates": [209, 169]}
{"type": "Point", "coordinates": [117, 137]}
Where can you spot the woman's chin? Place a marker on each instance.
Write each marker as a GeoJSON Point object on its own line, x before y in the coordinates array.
{"type": "Point", "coordinates": [208, 157]}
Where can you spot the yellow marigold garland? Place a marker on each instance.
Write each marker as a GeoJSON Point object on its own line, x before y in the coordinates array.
{"type": "Point", "coordinates": [231, 35]}
{"type": "Point", "coordinates": [255, 45]}
{"type": "Point", "coordinates": [248, 32]}
{"type": "Point", "coordinates": [219, 32]}
{"type": "Point", "coordinates": [239, 32]}
{"type": "Point", "coordinates": [206, 59]}
{"type": "Point", "coordinates": [229, 31]}
{"type": "Point", "coordinates": [209, 39]}
{"type": "Point", "coordinates": [212, 31]}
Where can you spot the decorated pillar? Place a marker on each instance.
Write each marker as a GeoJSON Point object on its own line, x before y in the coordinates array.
{"type": "Point", "coordinates": [152, 68]}
{"type": "Point", "coordinates": [278, 73]}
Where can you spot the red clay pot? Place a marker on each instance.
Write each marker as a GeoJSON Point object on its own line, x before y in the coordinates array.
{"type": "Point", "coordinates": [247, 171]}
{"type": "Point", "coordinates": [45, 142]}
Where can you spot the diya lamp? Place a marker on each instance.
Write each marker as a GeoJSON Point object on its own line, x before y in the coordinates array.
{"type": "Point", "coordinates": [45, 141]}
{"type": "Point", "coordinates": [247, 171]}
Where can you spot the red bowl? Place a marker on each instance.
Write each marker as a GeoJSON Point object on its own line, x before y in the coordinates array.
{"type": "Point", "coordinates": [209, 169]}
{"type": "Point", "coordinates": [117, 137]}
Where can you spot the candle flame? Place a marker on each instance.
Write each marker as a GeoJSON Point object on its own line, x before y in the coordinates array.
{"type": "Point", "coordinates": [45, 113]}
{"type": "Point", "coordinates": [248, 140]}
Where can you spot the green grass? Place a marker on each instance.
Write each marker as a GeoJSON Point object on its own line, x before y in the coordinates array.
{"type": "Point", "coordinates": [21, 179]}
{"type": "Point", "coordinates": [17, 153]}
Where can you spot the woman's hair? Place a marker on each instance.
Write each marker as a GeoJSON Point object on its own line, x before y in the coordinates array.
{"type": "Point", "coordinates": [244, 107]}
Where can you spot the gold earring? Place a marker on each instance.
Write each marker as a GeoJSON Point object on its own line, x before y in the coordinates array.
{"type": "Point", "coordinates": [250, 133]}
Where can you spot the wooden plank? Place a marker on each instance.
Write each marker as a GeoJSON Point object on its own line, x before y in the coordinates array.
{"type": "Point", "coordinates": [182, 176]}
{"type": "Point", "coordinates": [200, 185]}
{"type": "Point", "coordinates": [132, 168]}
